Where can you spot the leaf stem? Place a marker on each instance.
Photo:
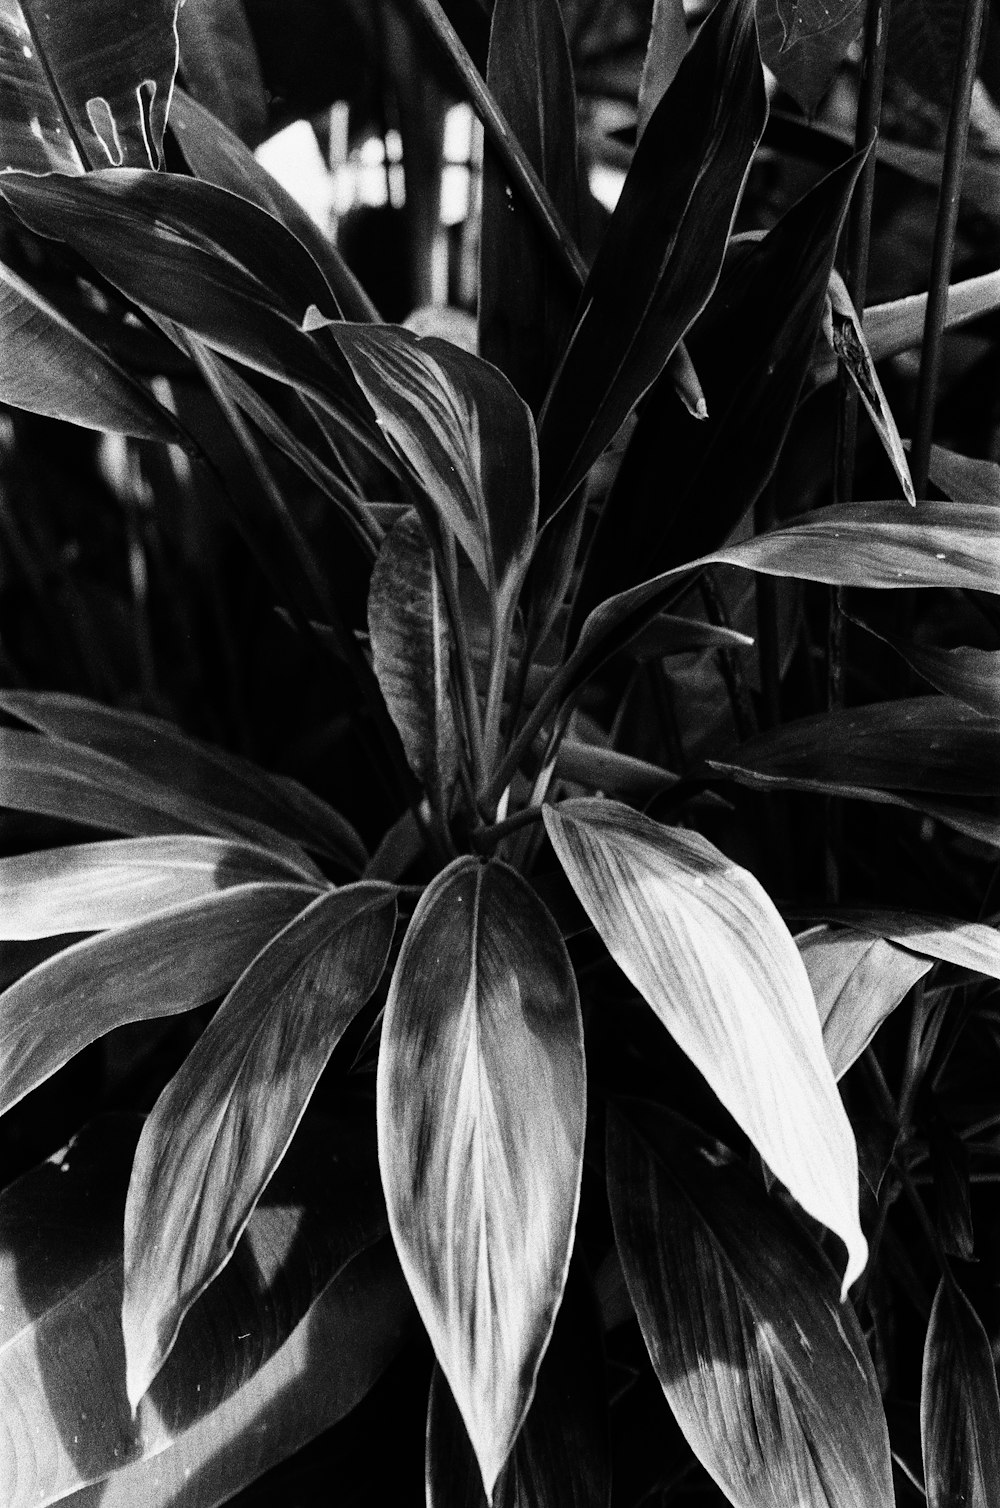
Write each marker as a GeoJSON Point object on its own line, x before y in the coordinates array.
{"type": "Point", "coordinates": [953, 168]}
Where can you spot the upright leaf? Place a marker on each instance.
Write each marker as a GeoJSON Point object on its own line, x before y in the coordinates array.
{"type": "Point", "coordinates": [661, 254]}
{"type": "Point", "coordinates": [526, 299]}
{"type": "Point", "coordinates": [224, 1122]}
{"type": "Point", "coordinates": [768, 1376]}
{"type": "Point", "coordinates": [804, 42]}
{"type": "Point", "coordinates": [665, 51]}
{"type": "Point", "coordinates": [481, 1110]}
{"type": "Point", "coordinates": [702, 942]}
{"type": "Point", "coordinates": [858, 981]}
{"type": "Point", "coordinates": [220, 65]}
{"type": "Point", "coordinates": [411, 653]}
{"type": "Point", "coordinates": [168, 963]}
{"type": "Point", "coordinates": [959, 1406]}
{"type": "Point", "coordinates": [72, 95]}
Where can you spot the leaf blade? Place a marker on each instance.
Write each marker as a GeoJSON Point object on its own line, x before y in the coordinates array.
{"type": "Point", "coordinates": [959, 1405]}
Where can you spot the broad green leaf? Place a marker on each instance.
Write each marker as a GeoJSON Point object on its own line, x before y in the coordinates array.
{"type": "Point", "coordinates": [561, 1458]}
{"type": "Point", "coordinates": [294, 1333]}
{"type": "Point", "coordinates": [925, 743]}
{"type": "Point", "coordinates": [90, 886]}
{"type": "Point", "coordinates": [660, 257]}
{"type": "Point", "coordinates": [225, 1120]}
{"type": "Point", "coordinates": [215, 155]}
{"type": "Point", "coordinates": [969, 675]}
{"type": "Point", "coordinates": [526, 299]}
{"type": "Point", "coordinates": [665, 51]}
{"type": "Point", "coordinates": [49, 367]}
{"type": "Point", "coordinates": [965, 479]}
{"type": "Point", "coordinates": [703, 944]}
{"type": "Point", "coordinates": [465, 436]}
{"type": "Point", "coordinates": [162, 966]}
{"type": "Point", "coordinates": [968, 945]}
{"type": "Point", "coordinates": [804, 42]}
{"type": "Point", "coordinates": [768, 1376]}
{"type": "Point", "coordinates": [159, 750]}
{"type": "Point", "coordinates": [858, 981]}
{"type": "Point", "coordinates": [411, 654]}
{"type": "Point", "coordinates": [220, 65]}
{"type": "Point", "coordinates": [481, 1112]}
{"type": "Point", "coordinates": [959, 1406]}
{"type": "Point", "coordinates": [85, 86]}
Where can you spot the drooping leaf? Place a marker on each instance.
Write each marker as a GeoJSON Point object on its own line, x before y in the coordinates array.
{"type": "Point", "coordinates": [858, 981]}
{"type": "Point", "coordinates": [969, 675]}
{"type": "Point", "coordinates": [852, 350]}
{"type": "Point", "coordinates": [220, 65]}
{"type": "Point", "coordinates": [665, 51]}
{"type": "Point", "coordinates": [561, 1458]}
{"type": "Point", "coordinates": [481, 1109]}
{"type": "Point", "coordinates": [295, 1331]}
{"type": "Point", "coordinates": [48, 366]}
{"type": "Point", "coordinates": [69, 100]}
{"type": "Point", "coordinates": [225, 1120]}
{"type": "Point", "coordinates": [526, 300]}
{"type": "Point", "coordinates": [660, 257]}
{"type": "Point", "coordinates": [965, 479]}
{"type": "Point", "coordinates": [767, 1375]}
{"type": "Point", "coordinates": [959, 1406]}
{"type": "Point", "coordinates": [164, 965]}
{"type": "Point", "coordinates": [703, 944]}
{"type": "Point", "coordinates": [215, 155]}
{"type": "Point", "coordinates": [91, 886]}
{"type": "Point", "coordinates": [411, 653]}
{"type": "Point", "coordinates": [804, 42]}
{"type": "Point", "coordinates": [159, 750]}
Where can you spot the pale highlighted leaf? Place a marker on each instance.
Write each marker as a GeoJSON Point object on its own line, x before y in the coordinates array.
{"type": "Point", "coordinates": [959, 1406]}
{"type": "Point", "coordinates": [481, 1113]}
{"type": "Point", "coordinates": [162, 966]}
{"type": "Point", "coordinates": [965, 479]}
{"type": "Point", "coordinates": [968, 945]}
{"type": "Point", "coordinates": [224, 1122]}
{"type": "Point", "coordinates": [858, 981]}
{"type": "Point", "coordinates": [768, 1375]}
{"type": "Point", "coordinates": [703, 943]}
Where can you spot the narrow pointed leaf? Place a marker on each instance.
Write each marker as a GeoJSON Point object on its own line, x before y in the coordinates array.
{"type": "Point", "coordinates": [61, 83]}
{"type": "Point", "coordinates": [768, 1376]}
{"type": "Point", "coordinates": [854, 355]}
{"type": "Point", "coordinates": [804, 42]}
{"type": "Point", "coordinates": [959, 1406]}
{"type": "Point", "coordinates": [968, 945]}
{"type": "Point", "coordinates": [970, 675]}
{"type": "Point", "coordinates": [224, 1122]}
{"type": "Point", "coordinates": [702, 942]}
{"type": "Point", "coordinates": [411, 655]}
{"type": "Point", "coordinates": [162, 966]}
{"type": "Point", "coordinates": [965, 479]}
{"type": "Point", "coordinates": [899, 325]}
{"type": "Point", "coordinates": [662, 252]}
{"type": "Point", "coordinates": [858, 981]}
{"type": "Point", "coordinates": [91, 886]}
{"type": "Point", "coordinates": [665, 51]}
{"type": "Point", "coordinates": [481, 1111]}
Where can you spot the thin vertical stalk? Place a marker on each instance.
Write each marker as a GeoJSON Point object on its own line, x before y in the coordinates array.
{"type": "Point", "coordinates": [953, 168]}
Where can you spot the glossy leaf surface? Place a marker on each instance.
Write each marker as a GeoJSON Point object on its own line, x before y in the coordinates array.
{"type": "Point", "coordinates": [959, 1406]}
{"type": "Point", "coordinates": [224, 1122]}
{"type": "Point", "coordinates": [169, 963]}
{"type": "Point", "coordinates": [768, 1375]}
{"type": "Point", "coordinates": [68, 100]}
{"type": "Point", "coordinates": [481, 1109]}
{"type": "Point", "coordinates": [703, 944]}
{"type": "Point", "coordinates": [858, 981]}
{"type": "Point", "coordinates": [289, 1333]}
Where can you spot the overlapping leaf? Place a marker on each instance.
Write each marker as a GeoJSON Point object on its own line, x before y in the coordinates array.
{"type": "Point", "coordinates": [804, 42]}
{"type": "Point", "coordinates": [970, 675]}
{"type": "Point", "coordinates": [661, 254]}
{"type": "Point", "coordinates": [221, 67]}
{"type": "Point", "coordinates": [296, 1331]}
{"type": "Point", "coordinates": [224, 1122]}
{"type": "Point", "coordinates": [166, 964]}
{"type": "Point", "coordinates": [69, 100]}
{"type": "Point", "coordinates": [768, 1376]}
{"type": "Point", "coordinates": [481, 1109]}
{"type": "Point", "coordinates": [959, 1406]}
{"type": "Point", "coordinates": [858, 981]}
{"type": "Point", "coordinates": [968, 945]}
{"type": "Point", "coordinates": [702, 942]}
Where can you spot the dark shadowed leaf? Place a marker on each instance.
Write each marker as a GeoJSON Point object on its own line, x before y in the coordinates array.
{"type": "Point", "coordinates": [949, 1159]}
{"type": "Point", "coordinates": [561, 1458]}
{"type": "Point", "coordinates": [858, 980]}
{"type": "Point", "coordinates": [924, 40]}
{"type": "Point", "coordinates": [481, 1111]}
{"type": "Point", "coordinates": [289, 1334]}
{"type": "Point", "coordinates": [970, 675]}
{"type": "Point", "coordinates": [665, 51]}
{"type": "Point", "coordinates": [959, 1406]}
{"type": "Point", "coordinates": [48, 367]}
{"type": "Point", "coordinates": [703, 944]}
{"type": "Point", "coordinates": [90, 886]}
{"type": "Point", "coordinates": [526, 298]}
{"type": "Point", "coordinates": [162, 966]}
{"type": "Point", "coordinates": [224, 1122]}
{"type": "Point", "coordinates": [62, 87]}
{"type": "Point", "coordinates": [203, 771]}
{"type": "Point", "coordinates": [965, 479]}
{"type": "Point", "coordinates": [411, 654]}
{"type": "Point", "coordinates": [804, 42]}
{"type": "Point", "coordinates": [768, 1376]}
{"type": "Point", "coordinates": [220, 65]}
{"type": "Point", "coordinates": [661, 254]}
